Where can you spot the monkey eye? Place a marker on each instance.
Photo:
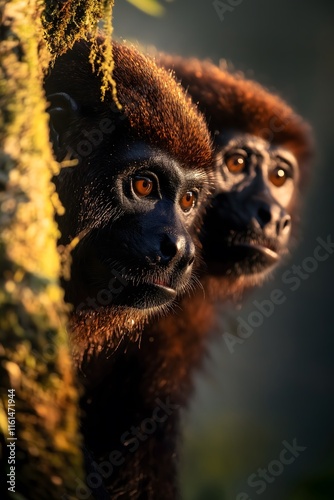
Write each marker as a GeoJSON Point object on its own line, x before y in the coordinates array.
{"type": "Point", "coordinates": [188, 201]}
{"type": "Point", "coordinates": [142, 186]}
{"type": "Point", "coordinates": [278, 176]}
{"type": "Point", "coordinates": [235, 163]}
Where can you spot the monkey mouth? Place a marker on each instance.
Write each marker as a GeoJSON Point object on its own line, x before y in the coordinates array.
{"type": "Point", "coordinates": [270, 256]}
{"type": "Point", "coordinates": [123, 286]}
{"type": "Point", "coordinates": [253, 258]}
{"type": "Point", "coordinates": [145, 292]}
{"type": "Point", "coordinates": [244, 256]}
{"type": "Point", "coordinates": [145, 295]}
{"type": "Point", "coordinates": [161, 290]}
{"type": "Point", "coordinates": [153, 290]}
{"type": "Point", "coordinates": [160, 282]}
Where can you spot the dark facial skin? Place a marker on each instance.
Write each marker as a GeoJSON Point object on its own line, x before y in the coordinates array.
{"type": "Point", "coordinates": [248, 226]}
{"type": "Point", "coordinates": [135, 210]}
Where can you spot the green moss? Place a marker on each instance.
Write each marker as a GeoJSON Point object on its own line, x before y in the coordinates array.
{"type": "Point", "coordinates": [68, 21]}
{"type": "Point", "coordinates": [34, 354]}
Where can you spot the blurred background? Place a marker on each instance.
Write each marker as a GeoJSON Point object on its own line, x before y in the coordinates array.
{"type": "Point", "coordinates": [278, 386]}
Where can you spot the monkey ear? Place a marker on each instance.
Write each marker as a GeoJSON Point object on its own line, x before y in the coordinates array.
{"type": "Point", "coordinates": [62, 109]}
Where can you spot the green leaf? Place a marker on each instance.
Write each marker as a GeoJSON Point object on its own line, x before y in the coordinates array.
{"type": "Point", "coordinates": [151, 7]}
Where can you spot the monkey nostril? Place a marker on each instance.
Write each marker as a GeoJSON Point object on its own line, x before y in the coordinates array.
{"type": "Point", "coordinates": [168, 248]}
{"type": "Point", "coordinates": [180, 248]}
{"type": "Point", "coordinates": [285, 223]}
{"type": "Point", "coordinates": [264, 215]}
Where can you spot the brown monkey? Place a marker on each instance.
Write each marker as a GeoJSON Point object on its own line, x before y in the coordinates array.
{"type": "Point", "coordinates": [136, 193]}
{"type": "Point", "coordinates": [133, 204]}
{"type": "Point", "coordinates": [263, 151]}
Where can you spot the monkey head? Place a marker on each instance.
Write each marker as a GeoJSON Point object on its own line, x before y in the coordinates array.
{"type": "Point", "coordinates": [248, 226]}
{"type": "Point", "coordinates": [134, 197]}
{"type": "Point", "coordinates": [262, 156]}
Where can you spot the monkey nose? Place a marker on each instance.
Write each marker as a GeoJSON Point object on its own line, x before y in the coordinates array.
{"type": "Point", "coordinates": [176, 247]}
{"type": "Point", "coordinates": [169, 247]}
{"type": "Point", "coordinates": [283, 225]}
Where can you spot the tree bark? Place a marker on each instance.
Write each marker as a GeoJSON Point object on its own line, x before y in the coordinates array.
{"type": "Point", "coordinates": [40, 457]}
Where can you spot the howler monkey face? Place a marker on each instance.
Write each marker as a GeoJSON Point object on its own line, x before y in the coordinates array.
{"type": "Point", "coordinates": [248, 226]}
{"type": "Point", "coordinates": [133, 211]}
{"type": "Point", "coordinates": [132, 202]}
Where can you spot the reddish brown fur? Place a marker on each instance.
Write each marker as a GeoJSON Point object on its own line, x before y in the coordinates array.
{"type": "Point", "coordinates": [156, 106]}
{"type": "Point", "coordinates": [229, 101]}
{"type": "Point", "coordinates": [122, 377]}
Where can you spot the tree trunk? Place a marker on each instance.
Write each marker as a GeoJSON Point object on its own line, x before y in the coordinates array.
{"type": "Point", "coordinates": [40, 456]}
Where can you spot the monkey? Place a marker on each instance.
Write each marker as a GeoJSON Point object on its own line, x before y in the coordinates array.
{"type": "Point", "coordinates": [263, 156]}
{"type": "Point", "coordinates": [134, 183]}
{"type": "Point", "coordinates": [263, 152]}
{"type": "Point", "coordinates": [137, 190]}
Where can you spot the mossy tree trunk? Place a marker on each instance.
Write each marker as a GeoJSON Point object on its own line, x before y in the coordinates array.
{"type": "Point", "coordinates": [38, 416]}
